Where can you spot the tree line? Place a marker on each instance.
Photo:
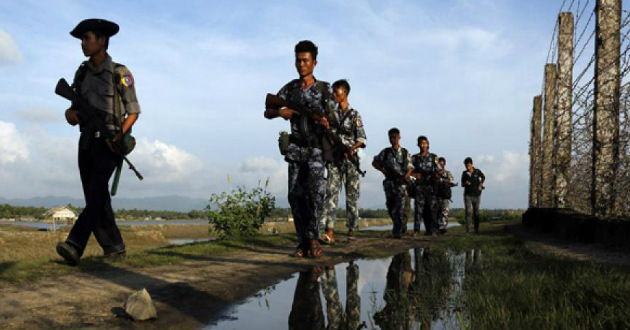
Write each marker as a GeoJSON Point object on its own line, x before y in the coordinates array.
{"type": "Point", "coordinates": [18, 212]}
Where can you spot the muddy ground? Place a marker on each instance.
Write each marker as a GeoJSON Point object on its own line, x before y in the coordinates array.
{"type": "Point", "coordinates": [193, 294]}
{"type": "Point", "coordinates": [187, 296]}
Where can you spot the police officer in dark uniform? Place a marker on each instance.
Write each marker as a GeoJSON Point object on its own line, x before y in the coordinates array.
{"type": "Point", "coordinates": [109, 87]}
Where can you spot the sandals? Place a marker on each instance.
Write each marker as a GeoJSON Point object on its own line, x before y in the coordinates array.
{"type": "Point", "coordinates": [328, 238]}
{"type": "Point", "coordinates": [351, 237]}
{"type": "Point", "coordinates": [315, 250]}
{"type": "Point", "coordinates": [299, 252]}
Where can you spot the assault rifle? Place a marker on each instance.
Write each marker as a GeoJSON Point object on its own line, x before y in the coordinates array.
{"type": "Point", "coordinates": [275, 102]}
{"type": "Point", "coordinates": [89, 114]}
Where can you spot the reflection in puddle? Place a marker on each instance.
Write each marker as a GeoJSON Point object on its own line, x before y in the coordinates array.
{"type": "Point", "coordinates": [418, 289]}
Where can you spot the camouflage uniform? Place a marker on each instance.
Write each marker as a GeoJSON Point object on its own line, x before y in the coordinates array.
{"type": "Point", "coordinates": [353, 299]}
{"type": "Point", "coordinates": [334, 311]}
{"type": "Point", "coordinates": [306, 311]}
{"type": "Point", "coordinates": [426, 201]}
{"type": "Point", "coordinates": [397, 163]}
{"type": "Point", "coordinates": [307, 182]}
{"type": "Point", "coordinates": [398, 309]}
{"type": "Point", "coordinates": [349, 128]}
{"type": "Point", "coordinates": [444, 203]}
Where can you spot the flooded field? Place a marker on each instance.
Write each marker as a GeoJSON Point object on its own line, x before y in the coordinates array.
{"type": "Point", "coordinates": [418, 289]}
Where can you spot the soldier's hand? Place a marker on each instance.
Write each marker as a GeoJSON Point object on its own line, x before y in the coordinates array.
{"type": "Point", "coordinates": [324, 122]}
{"type": "Point", "coordinates": [72, 117]}
{"type": "Point", "coordinates": [117, 138]}
{"type": "Point", "coordinates": [287, 113]}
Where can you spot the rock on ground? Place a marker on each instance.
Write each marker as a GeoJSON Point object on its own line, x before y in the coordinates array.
{"type": "Point", "coordinates": [140, 306]}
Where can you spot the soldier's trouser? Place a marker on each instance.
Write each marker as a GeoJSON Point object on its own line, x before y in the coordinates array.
{"type": "Point", "coordinates": [425, 206]}
{"type": "Point", "coordinates": [472, 210]}
{"type": "Point", "coordinates": [353, 299]}
{"type": "Point", "coordinates": [306, 311]}
{"type": "Point", "coordinates": [395, 201]}
{"type": "Point", "coordinates": [334, 310]}
{"type": "Point", "coordinates": [96, 166]}
{"type": "Point", "coordinates": [307, 188]}
{"type": "Point", "coordinates": [443, 206]}
{"type": "Point", "coordinates": [346, 173]}
{"type": "Point", "coordinates": [406, 212]}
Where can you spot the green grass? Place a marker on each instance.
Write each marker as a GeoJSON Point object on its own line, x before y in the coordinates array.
{"type": "Point", "coordinates": [517, 289]}
{"type": "Point", "coordinates": [35, 269]}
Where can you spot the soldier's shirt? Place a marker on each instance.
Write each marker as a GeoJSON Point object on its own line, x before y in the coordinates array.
{"type": "Point", "coordinates": [97, 87]}
{"type": "Point", "coordinates": [426, 165]}
{"type": "Point", "coordinates": [349, 126]}
{"type": "Point", "coordinates": [314, 99]}
{"type": "Point", "coordinates": [394, 160]}
{"type": "Point", "coordinates": [447, 176]}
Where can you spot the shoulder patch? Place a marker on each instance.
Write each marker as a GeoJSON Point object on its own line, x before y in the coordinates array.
{"type": "Point", "coordinates": [359, 121]}
{"type": "Point", "coordinates": [126, 78]}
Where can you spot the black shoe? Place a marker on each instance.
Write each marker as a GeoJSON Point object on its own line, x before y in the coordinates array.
{"type": "Point", "coordinates": [115, 255]}
{"type": "Point", "coordinates": [443, 231]}
{"type": "Point", "coordinates": [69, 253]}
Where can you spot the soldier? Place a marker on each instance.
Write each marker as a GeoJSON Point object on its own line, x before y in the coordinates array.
{"type": "Point", "coordinates": [346, 123]}
{"type": "Point", "coordinates": [472, 181]}
{"type": "Point", "coordinates": [395, 164]}
{"type": "Point", "coordinates": [445, 183]}
{"type": "Point", "coordinates": [109, 87]}
{"type": "Point", "coordinates": [425, 172]}
{"type": "Point", "coordinates": [307, 183]}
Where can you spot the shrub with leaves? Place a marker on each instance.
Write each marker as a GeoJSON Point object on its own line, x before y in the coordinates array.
{"type": "Point", "coordinates": [240, 212]}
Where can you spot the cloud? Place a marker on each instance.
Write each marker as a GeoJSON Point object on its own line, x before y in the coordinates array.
{"type": "Point", "coordinates": [12, 144]}
{"type": "Point", "coordinates": [513, 165]}
{"type": "Point", "coordinates": [39, 115]}
{"type": "Point", "coordinates": [9, 52]}
{"type": "Point", "coordinates": [259, 164]}
{"type": "Point", "coordinates": [165, 163]}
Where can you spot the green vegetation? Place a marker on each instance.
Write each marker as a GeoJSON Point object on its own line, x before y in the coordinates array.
{"type": "Point", "coordinates": [19, 212]}
{"type": "Point", "coordinates": [240, 212]}
{"type": "Point", "coordinates": [34, 269]}
{"type": "Point", "coordinates": [515, 288]}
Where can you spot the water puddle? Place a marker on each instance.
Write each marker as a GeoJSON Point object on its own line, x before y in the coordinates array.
{"type": "Point", "coordinates": [184, 241]}
{"type": "Point", "coordinates": [418, 289]}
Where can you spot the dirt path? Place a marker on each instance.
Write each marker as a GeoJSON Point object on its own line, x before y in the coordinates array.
{"type": "Point", "coordinates": [187, 295]}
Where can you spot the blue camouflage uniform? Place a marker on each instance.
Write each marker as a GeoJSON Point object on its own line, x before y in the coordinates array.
{"type": "Point", "coordinates": [396, 163]}
{"type": "Point", "coordinates": [426, 200]}
{"type": "Point", "coordinates": [307, 182]}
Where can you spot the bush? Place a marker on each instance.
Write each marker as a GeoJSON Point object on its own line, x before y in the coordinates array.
{"type": "Point", "coordinates": [240, 212]}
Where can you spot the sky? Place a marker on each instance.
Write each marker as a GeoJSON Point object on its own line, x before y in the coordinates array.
{"type": "Point", "coordinates": [461, 72]}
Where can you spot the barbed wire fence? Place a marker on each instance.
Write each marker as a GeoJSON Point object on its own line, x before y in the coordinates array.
{"type": "Point", "coordinates": [578, 194]}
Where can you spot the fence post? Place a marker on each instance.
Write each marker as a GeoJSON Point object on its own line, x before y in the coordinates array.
{"type": "Point", "coordinates": [606, 115]}
{"type": "Point", "coordinates": [535, 155]}
{"type": "Point", "coordinates": [547, 185]}
{"type": "Point", "coordinates": [565, 99]}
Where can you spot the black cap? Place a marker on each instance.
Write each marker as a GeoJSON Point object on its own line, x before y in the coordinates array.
{"type": "Point", "coordinates": [103, 26]}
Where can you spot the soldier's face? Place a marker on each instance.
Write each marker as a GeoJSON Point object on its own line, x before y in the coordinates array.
{"type": "Point", "coordinates": [394, 139]}
{"type": "Point", "coordinates": [442, 164]}
{"type": "Point", "coordinates": [90, 44]}
{"type": "Point", "coordinates": [304, 63]}
{"type": "Point", "coordinates": [340, 95]}
{"type": "Point", "coordinates": [424, 145]}
{"type": "Point", "coordinates": [469, 167]}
